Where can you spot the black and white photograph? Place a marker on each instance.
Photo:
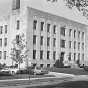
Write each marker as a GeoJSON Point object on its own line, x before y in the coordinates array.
{"type": "Point", "coordinates": [43, 43]}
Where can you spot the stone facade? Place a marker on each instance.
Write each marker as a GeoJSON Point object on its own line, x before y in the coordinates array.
{"type": "Point", "coordinates": [49, 37]}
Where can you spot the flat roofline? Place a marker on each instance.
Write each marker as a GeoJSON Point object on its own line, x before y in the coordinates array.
{"type": "Point", "coordinates": [56, 16]}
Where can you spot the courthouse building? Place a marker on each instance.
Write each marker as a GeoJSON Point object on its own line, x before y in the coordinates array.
{"type": "Point", "coordinates": [49, 37]}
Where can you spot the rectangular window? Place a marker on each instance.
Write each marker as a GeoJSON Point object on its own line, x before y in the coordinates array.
{"type": "Point", "coordinates": [54, 55]}
{"type": "Point", "coordinates": [34, 54]}
{"type": "Point", "coordinates": [48, 27]}
{"type": "Point", "coordinates": [48, 41]}
{"type": "Point", "coordinates": [79, 46]}
{"type": "Point", "coordinates": [34, 39]}
{"type": "Point", "coordinates": [48, 54]}
{"type": "Point", "coordinates": [62, 44]}
{"type": "Point", "coordinates": [54, 29]}
{"type": "Point", "coordinates": [1, 27]}
{"type": "Point", "coordinates": [74, 44]}
{"type": "Point", "coordinates": [42, 25]}
{"type": "Point", "coordinates": [48, 65]}
{"type": "Point", "coordinates": [74, 56]}
{"type": "Point", "coordinates": [54, 42]}
{"type": "Point", "coordinates": [41, 54]}
{"type": "Point", "coordinates": [70, 32]}
{"type": "Point", "coordinates": [0, 42]}
{"type": "Point", "coordinates": [82, 46]}
{"type": "Point", "coordinates": [0, 54]}
{"type": "Point", "coordinates": [17, 39]}
{"type": "Point", "coordinates": [5, 42]}
{"type": "Point", "coordinates": [62, 30]}
{"type": "Point", "coordinates": [82, 35]}
{"type": "Point", "coordinates": [18, 24]}
{"type": "Point", "coordinates": [70, 44]}
{"type": "Point", "coordinates": [41, 65]}
{"type": "Point", "coordinates": [78, 34]}
{"type": "Point", "coordinates": [83, 57]}
{"type": "Point", "coordinates": [5, 55]}
{"type": "Point", "coordinates": [74, 33]}
{"type": "Point", "coordinates": [41, 40]}
{"type": "Point", "coordinates": [5, 28]}
{"type": "Point", "coordinates": [78, 56]}
{"type": "Point", "coordinates": [69, 58]}
{"type": "Point", "coordinates": [34, 24]}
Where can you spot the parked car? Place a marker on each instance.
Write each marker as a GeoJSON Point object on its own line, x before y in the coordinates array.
{"type": "Point", "coordinates": [28, 70]}
{"type": "Point", "coordinates": [40, 71]}
{"type": "Point", "coordinates": [11, 71]}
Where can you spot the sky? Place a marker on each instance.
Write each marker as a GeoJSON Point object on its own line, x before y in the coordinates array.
{"type": "Point", "coordinates": [58, 8]}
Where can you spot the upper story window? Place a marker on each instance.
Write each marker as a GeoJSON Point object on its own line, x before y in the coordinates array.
{"type": "Point", "coordinates": [63, 30]}
{"type": "Point", "coordinates": [62, 44]}
{"type": "Point", "coordinates": [5, 55]}
{"type": "Point", "coordinates": [17, 39]}
{"type": "Point", "coordinates": [82, 46]}
{"type": "Point", "coordinates": [0, 54]}
{"type": "Point", "coordinates": [48, 27]}
{"type": "Point", "coordinates": [48, 41]}
{"type": "Point", "coordinates": [5, 28]}
{"type": "Point", "coordinates": [18, 24]}
{"type": "Point", "coordinates": [54, 29]}
{"type": "Point", "coordinates": [34, 54]}
{"type": "Point", "coordinates": [41, 54]}
{"type": "Point", "coordinates": [0, 42]}
{"type": "Point", "coordinates": [54, 42]}
{"type": "Point", "coordinates": [41, 40]}
{"type": "Point", "coordinates": [70, 44]}
{"type": "Point", "coordinates": [34, 24]}
{"type": "Point", "coordinates": [5, 42]}
{"type": "Point", "coordinates": [42, 25]}
{"type": "Point", "coordinates": [70, 32]}
{"type": "Point", "coordinates": [48, 54]}
{"type": "Point", "coordinates": [78, 34]}
{"type": "Point", "coordinates": [74, 33]}
{"type": "Point", "coordinates": [54, 55]}
{"type": "Point", "coordinates": [69, 58]}
{"type": "Point", "coordinates": [74, 56]}
{"type": "Point", "coordinates": [82, 35]}
{"type": "Point", "coordinates": [1, 27]}
{"type": "Point", "coordinates": [34, 39]}
{"type": "Point", "coordinates": [79, 46]}
{"type": "Point", "coordinates": [74, 44]}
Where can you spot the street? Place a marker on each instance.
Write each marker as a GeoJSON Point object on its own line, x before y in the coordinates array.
{"type": "Point", "coordinates": [42, 82]}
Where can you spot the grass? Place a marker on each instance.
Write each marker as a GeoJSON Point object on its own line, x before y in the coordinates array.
{"type": "Point", "coordinates": [23, 76]}
{"type": "Point", "coordinates": [69, 71]}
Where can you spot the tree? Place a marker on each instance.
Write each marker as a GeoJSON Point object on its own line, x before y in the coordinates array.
{"type": "Point", "coordinates": [19, 50]}
{"type": "Point", "coordinates": [81, 5]}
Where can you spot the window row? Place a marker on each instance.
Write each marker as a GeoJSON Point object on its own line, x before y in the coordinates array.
{"type": "Point", "coordinates": [4, 54]}
{"type": "Point", "coordinates": [41, 54]}
{"type": "Point", "coordinates": [80, 45]}
{"type": "Point", "coordinates": [3, 28]}
{"type": "Point", "coordinates": [5, 42]}
{"type": "Point", "coordinates": [79, 57]}
{"type": "Point", "coordinates": [42, 26]}
{"type": "Point", "coordinates": [42, 40]}
{"type": "Point", "coordinates": [63, 32]}
{"type": "Point", "coordinates": [42, 65]}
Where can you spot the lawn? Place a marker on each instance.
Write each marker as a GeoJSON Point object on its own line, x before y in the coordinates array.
{"type": "Point", "coordinates": [74, 71]}
{"type": "Point", "coordinates": [22, 76]}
